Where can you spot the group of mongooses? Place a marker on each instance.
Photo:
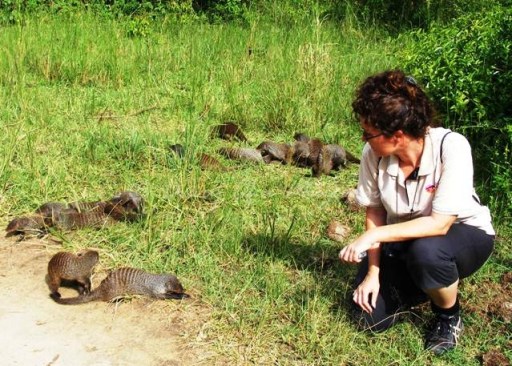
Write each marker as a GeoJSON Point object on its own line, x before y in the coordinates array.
{"type": "Point", "coordinates": [303, 152]}
{"type": "Point", "coordinates": [308, 153]}
{"type": "Point", "coordinates": [76, 270]}
{"type": "Point", "coordinates": [125, 206]}
{"type": "Point", "coordinates": [66, 268]}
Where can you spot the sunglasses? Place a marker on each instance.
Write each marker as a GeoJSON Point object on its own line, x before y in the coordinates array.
{"type": "Point", "coordinates": [367, 136]}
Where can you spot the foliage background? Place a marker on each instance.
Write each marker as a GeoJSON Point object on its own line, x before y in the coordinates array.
{"type": "Point", "coordinates": [93, 93]}
{"type": "Point", "coordinates": [460, 51]}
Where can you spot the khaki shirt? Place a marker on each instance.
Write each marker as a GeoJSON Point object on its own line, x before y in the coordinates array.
{"type": "Point", "coordinates": [443, 187]}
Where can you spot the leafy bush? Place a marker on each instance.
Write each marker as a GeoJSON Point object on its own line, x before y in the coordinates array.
{"type": "Point", "coordinates": [12, 11]}
{"type": "Point", "coordinates": [467, 69]}
{"type": "Point", "coordinates": [221, 10]}
{"type": "Point", "coordinates": [396, 15]}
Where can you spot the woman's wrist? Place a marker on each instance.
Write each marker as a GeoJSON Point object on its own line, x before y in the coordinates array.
{"type": "Point", "coordinates": [372, 237]}
{"type": "Point", "coordinates": [373, 271]}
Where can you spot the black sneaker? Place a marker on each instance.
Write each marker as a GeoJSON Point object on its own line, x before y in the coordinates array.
{"type": "Point", "coordinates": [445, 333]}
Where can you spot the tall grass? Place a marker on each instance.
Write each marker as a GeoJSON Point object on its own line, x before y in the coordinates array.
{"type": "Point", "coordinates": [88, 111]}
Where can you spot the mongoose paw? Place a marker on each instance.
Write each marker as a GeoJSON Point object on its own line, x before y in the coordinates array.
{"type": "Point", "coordinates": [176, 296]}
{"type": "Point", "coordinates": [55, 295]}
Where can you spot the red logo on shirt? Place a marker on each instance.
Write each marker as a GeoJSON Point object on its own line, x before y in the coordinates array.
{"type": "Point", "coordinates": [431, 188]}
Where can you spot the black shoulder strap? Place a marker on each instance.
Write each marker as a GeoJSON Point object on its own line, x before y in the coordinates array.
{"type": "Point", "coordinates": [441, 149]}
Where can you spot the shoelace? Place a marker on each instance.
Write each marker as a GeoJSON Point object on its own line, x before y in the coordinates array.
{"type": "Point", "coordinates": [445, 327]}
{"type": "Point", "coordinates": [456, 329]}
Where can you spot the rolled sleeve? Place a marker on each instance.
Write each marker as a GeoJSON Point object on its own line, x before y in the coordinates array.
{"type": "Point", "coordinates": [368, 193]}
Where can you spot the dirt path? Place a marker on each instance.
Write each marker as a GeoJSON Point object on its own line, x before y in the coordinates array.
{"type": "Point", "coordinates": [35, 331]}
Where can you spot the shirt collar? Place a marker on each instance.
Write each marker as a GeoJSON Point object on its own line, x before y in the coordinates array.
{"type": "Point", "coordinates": [426, 163]}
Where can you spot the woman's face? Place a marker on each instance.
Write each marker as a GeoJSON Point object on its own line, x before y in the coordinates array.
{"type": "Point", "coordinates": [380, 143]}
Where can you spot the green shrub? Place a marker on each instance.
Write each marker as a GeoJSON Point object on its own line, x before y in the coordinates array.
{"type": "Point", "coordinates": [221, 10]}
{"type": "Point", "coordinates": [12, 11]}
{"type": "Point", "coordinates": [466, 68]}
{"type": "Point", "coordinates": [397, 15]}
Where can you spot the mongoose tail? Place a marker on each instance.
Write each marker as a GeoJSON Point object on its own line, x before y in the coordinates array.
{"type": "Point", "coordinates": [352, 158]}
{"type": "Point", "coordinates": [82, 299]}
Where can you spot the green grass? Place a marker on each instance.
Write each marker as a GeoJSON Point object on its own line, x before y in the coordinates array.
{"type": "Point", "coordinates": [88, 111]}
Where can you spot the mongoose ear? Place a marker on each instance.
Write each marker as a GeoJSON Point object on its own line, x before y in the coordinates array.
{"type": "Point", "coordinates": [122, 198]}
{"type": "Point", "coordinates": [299, 136]}
{"type": "Point", "coordinates": [178, 149]}
{"type": "Point", "coordinates": [131, 200]}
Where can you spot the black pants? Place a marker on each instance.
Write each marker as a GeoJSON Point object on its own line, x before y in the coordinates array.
{"type": "Point", "coordinates": [408, 268]}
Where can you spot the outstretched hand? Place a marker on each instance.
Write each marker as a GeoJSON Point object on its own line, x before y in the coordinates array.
{"type": "Point", "coordinates": [356, 251]}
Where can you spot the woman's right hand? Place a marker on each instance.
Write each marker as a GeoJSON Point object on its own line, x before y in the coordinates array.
{"type": "Point", "coordinates": [365, 295]}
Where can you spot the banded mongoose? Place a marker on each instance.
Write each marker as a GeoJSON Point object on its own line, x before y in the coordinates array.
{"type": "Point", "coordinates": [70, 219]}
{"type": "Point", "coordinates": [312, 154]}
{"type": "Point", "coordinates": [340, 157]}
{"type": "Point", "coordinates": [229, 131]}
{"type": "Point", "coordinates": [206, 162]}
{"type": "Point", "coordinates": [53, 211]}
{"type": "Point", "coordinates": [50, 211]}
{"type": "Point", "coordinates": [274, 151]}
{"type": "Point", "coordinates": [320, 158]}
{"type": "Point", "coordinates": [23, 225]}
{"type": "Point", "coordinates": [242, 153]}
{"type": "Point", "coordinates": [300, 154]}
{"type": "Point", "coordinates": [177, 149]}
{"type": "Point", "coordinates": [125, 206]}
{"type": "Point", "coordinates": [131, 281]}
{"type": "Point", "coordinates": [66, 266]}
{"type": "Point", "coordinates": [86, 206]}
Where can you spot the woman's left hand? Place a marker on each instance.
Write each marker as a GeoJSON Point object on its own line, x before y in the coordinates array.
{"type": "Point", "coordinates": [366, 293]}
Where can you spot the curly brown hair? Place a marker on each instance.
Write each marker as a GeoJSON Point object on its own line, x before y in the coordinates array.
{"type": "Point", "coordinates": [391, 101]}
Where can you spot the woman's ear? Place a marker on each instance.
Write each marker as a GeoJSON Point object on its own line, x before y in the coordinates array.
{"type": "Point", "coordinates": [398, 137]}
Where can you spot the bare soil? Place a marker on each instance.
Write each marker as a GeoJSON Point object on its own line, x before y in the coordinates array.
{"type": "Point", "coordinates": [34, 330]}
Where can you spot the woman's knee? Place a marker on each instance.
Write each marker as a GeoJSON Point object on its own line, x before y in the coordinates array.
{"type": "Point", "coordinates": [427, 250]}
{"type": "Point", "coordinates": [430, 265]}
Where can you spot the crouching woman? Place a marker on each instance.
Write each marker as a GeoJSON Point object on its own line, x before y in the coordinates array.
{"type": "Point", "coordinates": [425, 226]}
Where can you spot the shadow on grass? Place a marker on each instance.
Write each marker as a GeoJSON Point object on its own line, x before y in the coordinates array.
{"type": "Point", "coordinates": [320, 259]}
